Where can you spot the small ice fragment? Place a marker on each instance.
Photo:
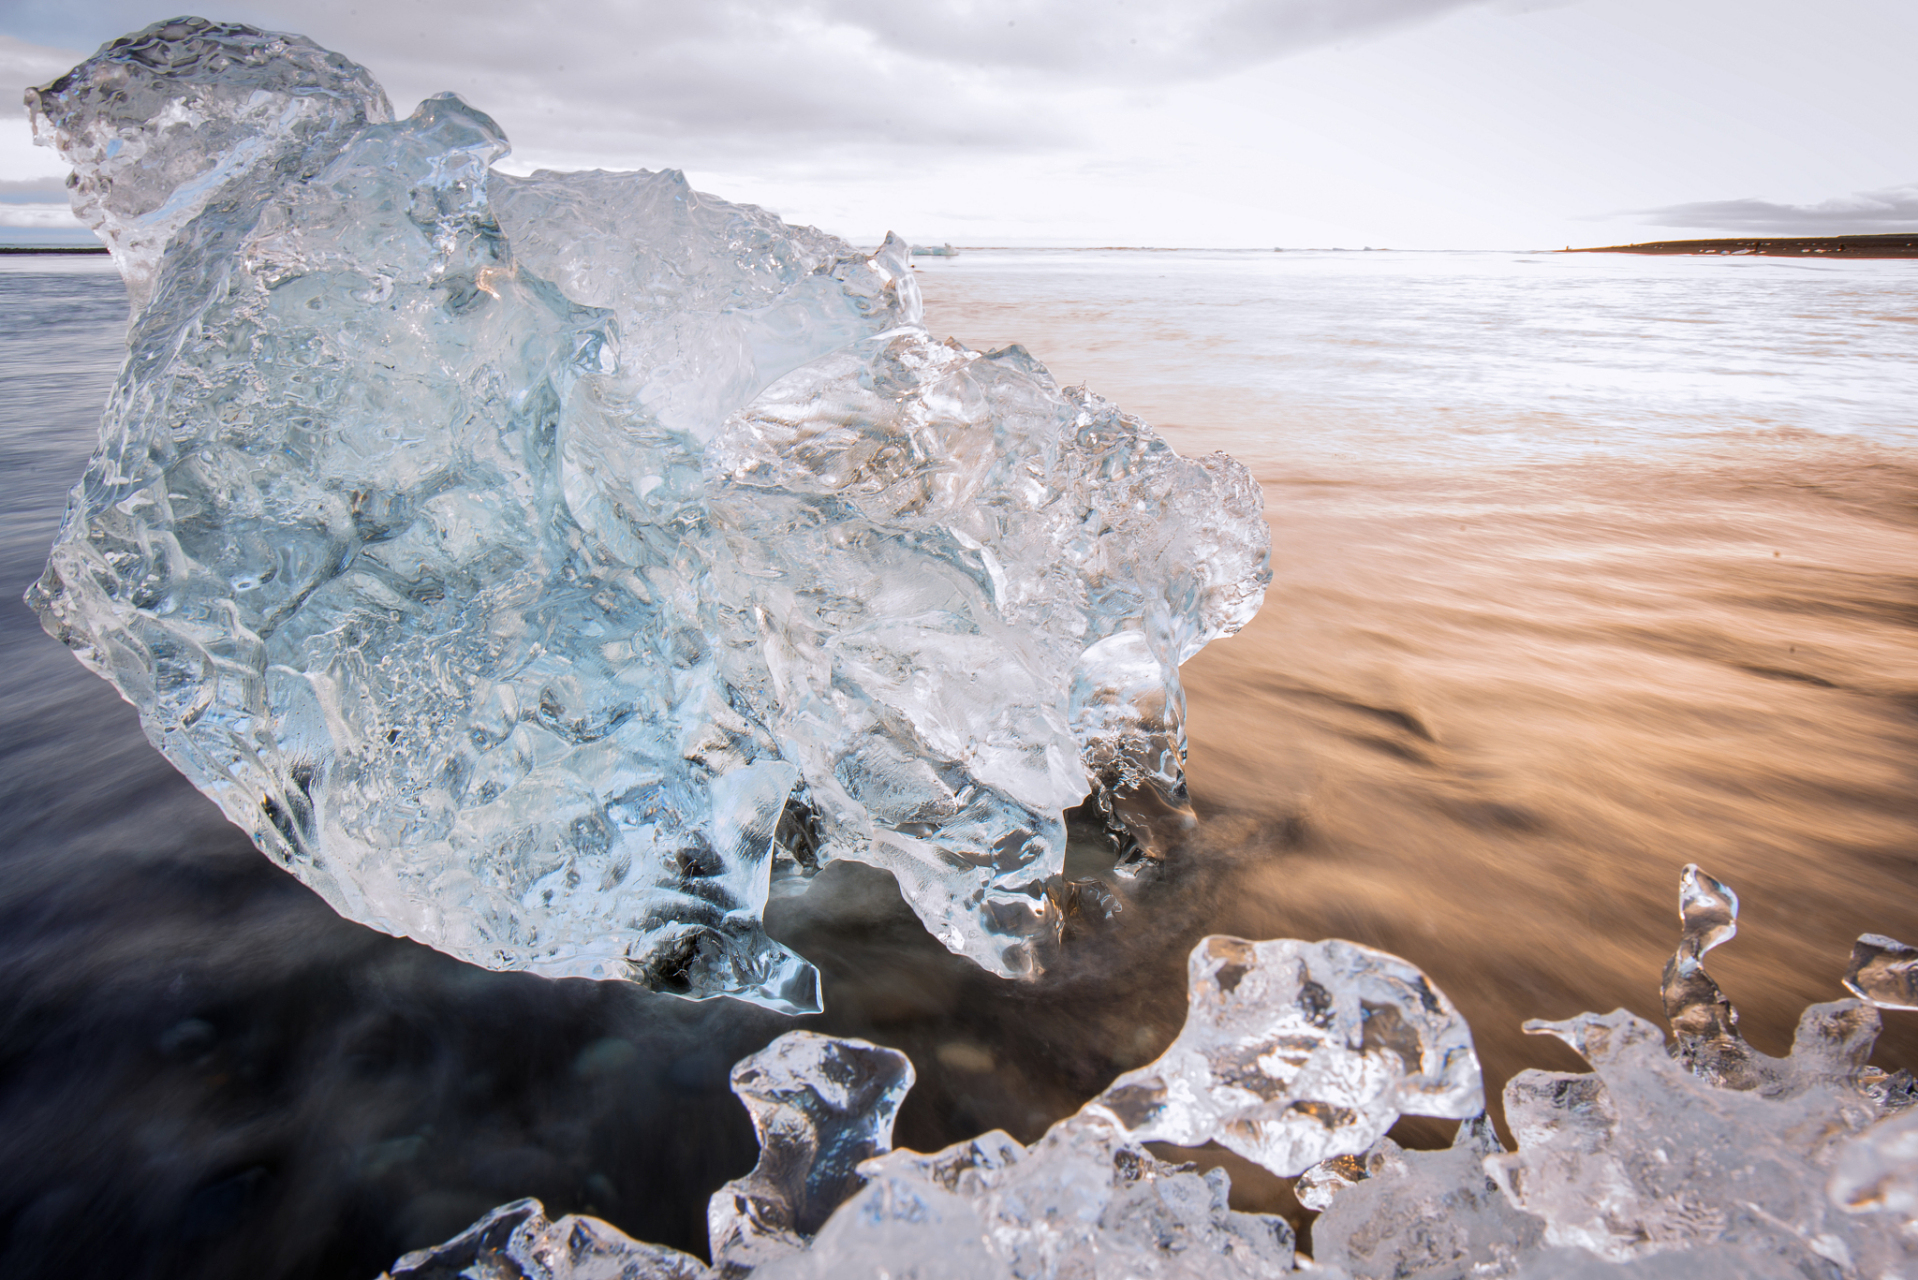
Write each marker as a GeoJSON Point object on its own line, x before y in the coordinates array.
{"type": "Point", "coordinates": [1295, 1052]}
{"type": "Point", "coordinates": [820, 1105]}
{"type": "Point", "coordinates": [1708, 909]}
{"type": "Point", "coordinates": [1318, 1185]}
{"type": "Point", "coordinates": [1884, 971]}
{"type": "Point", "coordinates": [518, 1242]}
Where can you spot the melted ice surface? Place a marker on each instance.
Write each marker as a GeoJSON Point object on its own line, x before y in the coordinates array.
{"type": "Point", "coordinates": [536, 567]}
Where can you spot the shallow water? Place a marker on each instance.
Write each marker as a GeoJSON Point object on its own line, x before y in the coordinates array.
{"type": "Point", "coordinates": [1584, 568]}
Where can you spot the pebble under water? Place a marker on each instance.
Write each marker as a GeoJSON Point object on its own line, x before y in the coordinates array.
{"type": "Point", "coordinates": [1580, 575]}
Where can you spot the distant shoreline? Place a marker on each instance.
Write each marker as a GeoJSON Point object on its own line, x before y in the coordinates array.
{"type": "Point", "coordinates": [1885, 246]}
{"type": "Point", "coordinates": [36, 250]}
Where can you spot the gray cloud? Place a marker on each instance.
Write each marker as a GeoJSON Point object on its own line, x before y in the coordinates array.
{"type": "Point", "coordinates": [763, 79]}
{"type": "Point", "coordinates": [1892, 210]}
{"type": "Point", "coordinates": [34, 191]}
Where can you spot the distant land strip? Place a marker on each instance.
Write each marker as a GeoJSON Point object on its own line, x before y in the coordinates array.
{"type": "Point", "coordinates": [51, 248]}
{"type": "Point", "coordinates": [1884, 246]}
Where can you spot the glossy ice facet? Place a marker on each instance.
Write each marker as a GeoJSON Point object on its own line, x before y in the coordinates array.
{"type": "Point", "coordinates": [1643, 1157]}
{"type": "Point", "coordinates": [1703, 1021]}
{"type": "Point", "coordinates": [1084, 1200]}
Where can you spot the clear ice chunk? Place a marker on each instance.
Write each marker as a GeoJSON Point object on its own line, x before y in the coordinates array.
{"type": "Point", "coordinates": [1643, 1157]}
{"type": "Point", "coordinates": [1085, 1200]}
{"type": "Point", "coordinates": [1296, 1052]}
{"type": "Point", "coordinates": [1884, 971]}
{"type": "Point", "coordinates": [518, 1242]}
{"type": "Point", "coordinates": [828, 1200]}
{"type": "Point", "coordinates": [538, 567]}
{"type": "Point", "coordinates": [820, 1105]}
{"type": "Point", "coordinates": [1393, 1213]}
{"type": "Point", "coordinates": [1649, 1166]}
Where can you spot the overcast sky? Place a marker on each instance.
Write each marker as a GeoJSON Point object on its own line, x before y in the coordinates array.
{"type": "Point", "coordinates": [1391, 123]}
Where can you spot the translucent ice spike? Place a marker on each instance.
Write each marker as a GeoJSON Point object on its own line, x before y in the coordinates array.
{"type": "Point", "coordinates": [820, 1106]}
{"type": "Point", "coordinates": [1884, 971]}
{"type": "Point", "coordinates": [1703, 1021]}
{"type": "Point", "coordinates": [1295, 1052]}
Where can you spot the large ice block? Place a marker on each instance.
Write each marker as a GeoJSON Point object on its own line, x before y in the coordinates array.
{"type": "Point", "coordinates": [539, 566]}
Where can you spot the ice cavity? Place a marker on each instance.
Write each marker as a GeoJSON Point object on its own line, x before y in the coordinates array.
{"type": "Point", "coordinates": [538, 567]}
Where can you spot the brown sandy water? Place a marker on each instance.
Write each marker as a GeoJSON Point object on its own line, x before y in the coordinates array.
{"type": "Point", "coordinates": [1497, 698]}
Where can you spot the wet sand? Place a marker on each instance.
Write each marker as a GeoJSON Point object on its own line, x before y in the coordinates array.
{"type": "Point", "coordinates": [1878, 246]}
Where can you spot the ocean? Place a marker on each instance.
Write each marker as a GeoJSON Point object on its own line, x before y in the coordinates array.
{"type": "Point", "coordinates": [1585, 567]}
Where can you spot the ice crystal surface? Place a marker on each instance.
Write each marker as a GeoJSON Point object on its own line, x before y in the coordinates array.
{"type": "Point", "coordinates": [1643, 1157]}
{"type": "Point", "coordinates": [820, 1105]}
{"type": "Point", "coordinates": [519, 1242]}
{"type": "Point", "coordinates": [540, 566]}
{"type": "Point", "coordinates": [1698, 1158]}
{"type": "Point", "coordinates": [1876, 1172]}
{"type": "Point", "coordinates": [1392, 1213]}
{"type": "Point", "coordinates": [828, 1199]}
{"type": "Point", "coordinates": [1295, 1052]}
{"type": "Point", "coordinates": [1085, 1200]}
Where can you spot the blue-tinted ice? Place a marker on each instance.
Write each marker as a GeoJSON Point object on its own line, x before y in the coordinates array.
{"type": "Point", "coordinates": [537, 566]}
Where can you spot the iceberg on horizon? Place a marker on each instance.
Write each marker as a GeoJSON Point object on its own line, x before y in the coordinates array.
{"type": "Point", "coordinates": [539, 567]}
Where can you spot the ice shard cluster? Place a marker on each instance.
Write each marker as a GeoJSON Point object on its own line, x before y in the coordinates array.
{"type": "Point", "coordinates": [1694, 1159]}
{"type": "Point", "coordinates": [541, 567]}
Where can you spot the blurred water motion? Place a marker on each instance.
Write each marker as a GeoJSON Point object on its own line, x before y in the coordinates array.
{"type": "Point", "coordinates": [1584, 569]}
